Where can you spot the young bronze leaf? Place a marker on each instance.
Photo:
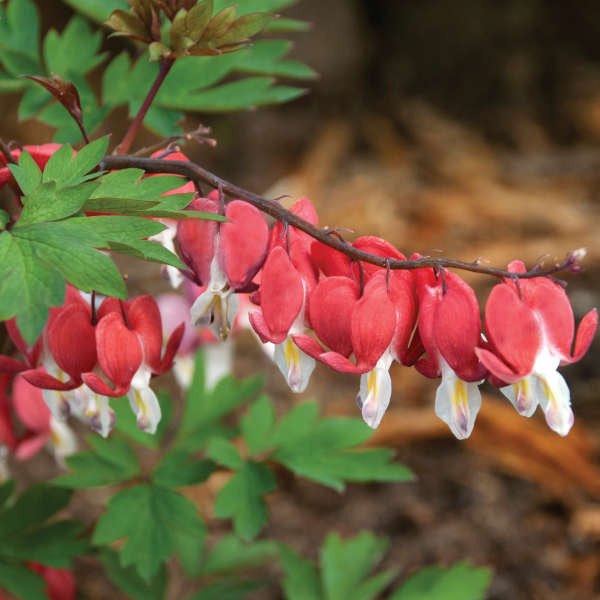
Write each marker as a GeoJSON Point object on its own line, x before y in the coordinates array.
{"type": "Point", "coordinates": [66, 93]}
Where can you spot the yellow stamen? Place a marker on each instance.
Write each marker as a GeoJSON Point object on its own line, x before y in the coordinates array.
{"type": "Point", "coordinates": [292, 355]}
{"type": "Point", "coordinates": [372, 384]}
{"type": "Point", "coordinates": [460, 396]}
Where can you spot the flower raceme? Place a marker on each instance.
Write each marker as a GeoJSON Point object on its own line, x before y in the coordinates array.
{"type": "Point", "coordinates": [87, 358]}
{"type": "Point", "coordinates": [310, 303]}
{"type": "Point", "coordinates": [530, 328]}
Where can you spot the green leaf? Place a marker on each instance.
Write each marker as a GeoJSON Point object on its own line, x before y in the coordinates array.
{"type": "Point", "coordinates": [256, 425]}
{"type": "Point", "coordinates": [179, 468]}
{"type": "Point", "coordinates": [59, 52]}
{"type": "Point", "coordinates": [97, 10]}
{"type": "Point", "coordinates": [164, 522]}
{"type": "Point", "coordinates": [28, 286]}
{"type": "Point", "coordinates": [204, 407]}
{"type": "Point", "coordinates": [22, 582]}
{"type": "Point", "coordinates": [126, 421]}
{"type": "Point", "coordinates": [46, 203]}
{"type": "Point", "coordinates": [104, 229]}
{"type": "Point", "coordinates": [7, 489]}
{"type": "Point", "coordinates": [247, 93]}
{"type": "Point", "coordinates": [27, 174]}
{"type": "Point", "coordinates": [459, 582]}
{"type": "Point", "coordinates": [88, 157]}
{"type": "Point", "coordinates": [287, 25]}
{"type": "Point", "coordinates": [149, 251]}
{"type": "Point", "coordinates": [345, 564]}
{"type": "Point", "coordinates": [325, 450]}
{"type": "Point", "coordinates": [128, 580]}
{"type": "Point", "coordinates": [54, 545]}
{"type": "Point", "coordinates": [4, 219]}
{"type": "Point", "coordinates": [230, 554]}
{"type": "Point", "coordinates": [241, 499]}
{"type": "Point", "coordinates": [110, 461]}
{"type": "Point", "coordinates": [62, 246]}
{"type": "Point", "coordinates": [301, 581]}
{"type": "Point", "coordinates": [19, 37]}
{"type": "Point", "coordinates": [32, 507]}
{"type": "Point", "coordinates": [58, 167]}
{"type": "Point", "coordinates": [130, 184]}
{"type": "Point", "coordinates": [250, 6]}
{"type": "Point", "coordinates": [231, 588]}
{"type": "Point", "coordinates": [225, 453]}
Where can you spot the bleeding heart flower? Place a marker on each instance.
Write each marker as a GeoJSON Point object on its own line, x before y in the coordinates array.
{"type": "Point", "coordinates": [450, 330]}
{"type": "Point", "coordinates": [129, 342]}
{"type": "Point", "coordinates": [42, 428]}
{"type": "Point", "coordinates": [283, 295]}
{"type": "Point", "coordinates": [530, 330]}
{"type": "Point", "coordinates": [224, 257]}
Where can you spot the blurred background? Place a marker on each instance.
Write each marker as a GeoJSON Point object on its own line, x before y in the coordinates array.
{"type": "Point", "coordinates": [471, 129]}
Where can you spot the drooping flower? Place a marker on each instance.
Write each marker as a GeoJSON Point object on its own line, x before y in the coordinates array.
{"type": "Point", "coordinates": [129, 343]}
{"type": "Point", "coordinates": [223, 258]}
{"type": "Point", "coordinates": [449, 328]}
{"type": "Point", "coordinates": [530, 329]}
{"type": "Point", "coordinates": [41, 427]}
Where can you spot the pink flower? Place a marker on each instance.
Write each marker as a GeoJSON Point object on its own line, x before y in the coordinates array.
{"type": "Point", "coordinates": [41, 427]}
{"type": "Point", "coordinates": [129, 341]}
{"type": "Point", "coordinates": [450, 330]}
{"type": "Point", "coordinates": [530, 330]}
{"type": "Point", "coordinates": [224, 257]}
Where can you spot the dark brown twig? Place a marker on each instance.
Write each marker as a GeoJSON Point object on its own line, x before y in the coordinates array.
{"type": "Point", "coordinates": [6, 151]}
{"type": "Point", "coordinates": [274, 209]}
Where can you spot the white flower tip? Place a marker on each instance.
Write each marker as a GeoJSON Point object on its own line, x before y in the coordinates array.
{"type": "Point", "coordinates": [560, 421]}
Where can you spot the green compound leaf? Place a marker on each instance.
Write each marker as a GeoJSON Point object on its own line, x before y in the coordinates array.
{"type": "Point", "coordinates": [19, 39]}
{"type": "Point", "coordinates": [204, 409]}
{"type": "Point", "coordinates": [301, 579]}
{"type": "Point", "coordinates": [7, 489]}
{"type": "Point", "coordinates": [179, 468]}
{"type": "Point", "coordinates": [230, 554]}
{"type": "Point", "coordinates": [458, 582]}
{"type": "Point", "coordinates": [346, 564]}
{"type": "Point", "coordinates": [229, 588]}
{"type": "Point", "coordinates": [59, 56]}
{"type": "Point", "coordinates": [54, 545]}
{"type": "Point", "coordinates": [324, 450]}
{"type": "Point", "coordinates": [22, 582]}
{"type": "Point", "coordinates": [241, 499]}
{"type": "Point", "coordinates": [27, 174]}
{"type": "Point", "coordinates": [165, 522]}
{"type": "Point", "coordinates": [97, 10]}
{"type": "Point", "coordinates": [33, 507]}
{"type": "Point", "coordinates": [128, 580]}
{"type": "Point", "coordinates": [110, 461]}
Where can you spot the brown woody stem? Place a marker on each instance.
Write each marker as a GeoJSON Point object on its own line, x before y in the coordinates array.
{"type": "Point", "coordinates": [125, 145]}
{"type": "Point", "coordinates": [196, 173]}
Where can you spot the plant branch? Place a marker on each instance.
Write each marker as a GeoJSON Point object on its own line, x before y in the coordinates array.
{"type": "Point", "coordinates": [125, 145]}
{"type": "Point", "coordinates": [6, 151]}
{"type": "Point", "coordinates": [198, 174]}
